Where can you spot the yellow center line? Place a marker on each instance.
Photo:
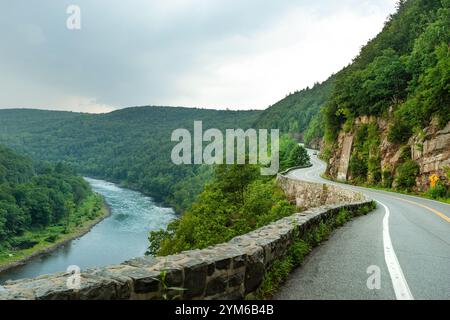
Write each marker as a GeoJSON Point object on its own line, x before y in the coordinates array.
{"type": "Point", "coordinates": [436, 212]}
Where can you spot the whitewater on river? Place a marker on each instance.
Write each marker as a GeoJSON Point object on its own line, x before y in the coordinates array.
{"type": "Point", "coordinates": [121, 236]}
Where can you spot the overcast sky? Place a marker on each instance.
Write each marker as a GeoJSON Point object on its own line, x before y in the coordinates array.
{"type": "Point", "coordinates": [237, 54]}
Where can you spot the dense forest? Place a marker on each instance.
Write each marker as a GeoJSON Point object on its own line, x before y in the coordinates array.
{"type": "Point", "coordinates": [299, 113]}
{"type": "Point", "coordinates": [40, 196]}
{"type": "Point", "coordinates": [237, 200]}
{"type": "Point", "coordinates": [403, 72]}
{"type": "Point", "coordinates": [130, 146]}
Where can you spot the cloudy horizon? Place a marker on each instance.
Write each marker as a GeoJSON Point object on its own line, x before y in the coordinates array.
{"type": "Point", "coordinates": [222, 54]}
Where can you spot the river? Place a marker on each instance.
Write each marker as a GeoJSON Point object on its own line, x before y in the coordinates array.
{"type": "Point", "coordinates": [121, 236]}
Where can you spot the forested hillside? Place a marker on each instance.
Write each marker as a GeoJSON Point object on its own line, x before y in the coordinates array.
{"type": "Point", "coordinates": [406, 68]}
{"type": "Point", "coordinates": [131, 146]}
{"type": "Point", "coordinates": [394, 100]}
{"type": "Point", "coordinates": [299, 113]}
{"type": "Point", "coordinates": [37, 196]}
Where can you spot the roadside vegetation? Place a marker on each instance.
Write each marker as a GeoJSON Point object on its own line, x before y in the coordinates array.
{"type": "Point", "coordinates": [237, 201]}
{"type": "Point", "coordinates": [280, 270]}
{"type": "Point", "coordinates": [441, 192]}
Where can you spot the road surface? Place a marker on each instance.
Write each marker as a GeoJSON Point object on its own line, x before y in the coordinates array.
{"type": "Point", "coordinates": [406, 241]}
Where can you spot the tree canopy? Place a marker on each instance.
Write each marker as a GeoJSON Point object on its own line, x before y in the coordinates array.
{"type": "Point", "coordinates": [404, 70]}
{"type": "Point", "coordinates": [236, 201]}
{"type": "Point", "coordinates": [34, 196]}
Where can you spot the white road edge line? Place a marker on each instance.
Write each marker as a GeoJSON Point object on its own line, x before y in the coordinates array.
{"type": "Point", "coordinates": [401, 288]}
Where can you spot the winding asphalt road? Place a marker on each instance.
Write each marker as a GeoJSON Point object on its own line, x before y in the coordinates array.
{"type": "Point", "coordinates": [406, 241]}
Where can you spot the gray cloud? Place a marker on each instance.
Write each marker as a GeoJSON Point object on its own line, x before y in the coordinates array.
{"type": "Point", "coordinates": [209, 53]}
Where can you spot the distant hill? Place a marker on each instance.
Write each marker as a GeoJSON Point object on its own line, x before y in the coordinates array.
{"type": "Point", "coordinates": [131, 146]}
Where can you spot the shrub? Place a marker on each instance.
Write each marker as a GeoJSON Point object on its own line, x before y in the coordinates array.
{"type": "Point", "coordinates": [399, 132]}
{"type": "Point", "coordinates": [298, 157]}
{"type": "Point", "coordinates": [318, 234]}
{"type": "Point", "coordinates": [388, 178]}
{"type": "Point", "coordinates": [447, 171]}
{"type": "Point", "coordinates": [406, 175]}
{"type": "Point", "coordinates": [22, 243]}
{"type": "Point", "coordinates": [342, 217]}
{"type": "Point", "coordinates": [374, 168]}
{"type": "Point", "coordinates": [326, 154]}
{"type": "Point", "coordinates": [52, 238]}
{"type": "Point", "coordinates": [405, 153]}
{"type": "Point", "coordinates": [358, 167]}
{"type": "Point", "coordinates": [438, 192]}
{"type": "Point", "coordinates": [298, 251]}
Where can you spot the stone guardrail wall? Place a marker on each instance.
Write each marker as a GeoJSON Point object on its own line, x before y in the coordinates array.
{"type": "Point", "coordinates": [226, 271]}
{"type": "Point", "coordinates": [311, 195]}
{"type": "Point", "coordinates": [294, 168]}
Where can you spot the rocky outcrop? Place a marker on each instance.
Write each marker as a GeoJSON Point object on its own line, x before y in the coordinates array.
{"type": "Point", "coordinates": [430, 149]}
{"type": "Point", "coordinates": [340, 159]}
{"type": "Point", "coordinates": [347, 143]}
{"type": "Point", "coordinates": [226, 271]}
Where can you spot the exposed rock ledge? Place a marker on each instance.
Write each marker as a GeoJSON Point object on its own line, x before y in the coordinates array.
{"type": "Point", "coordinates": [226, 271]}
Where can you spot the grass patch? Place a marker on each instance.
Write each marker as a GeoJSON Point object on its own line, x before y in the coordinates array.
{"type": "Point", "coordinates": [429, 196]}
{"type": "Point", "coordinates": [426, 195]}
{"type": "Point", "coordinates": [90, 212]}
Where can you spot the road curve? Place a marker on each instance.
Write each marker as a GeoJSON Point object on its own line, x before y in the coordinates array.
{"type": "Point", "coordinates": [406, 241]}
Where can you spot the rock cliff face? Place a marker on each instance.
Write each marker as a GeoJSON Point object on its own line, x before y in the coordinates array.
{"type": "Point", "coordinates": [315, 144]}
{"type": "Point", "coordinates": [432, 152]}
{"type": "Point", "coordinates": [339, 162]}
{"type": "Point", "coordinates": [429, 148]}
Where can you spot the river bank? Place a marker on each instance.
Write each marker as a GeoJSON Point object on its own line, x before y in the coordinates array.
{"type": "Point", "coordinates": [21, 257]}
{"type": "Point", "coordinates": [122, 236]}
